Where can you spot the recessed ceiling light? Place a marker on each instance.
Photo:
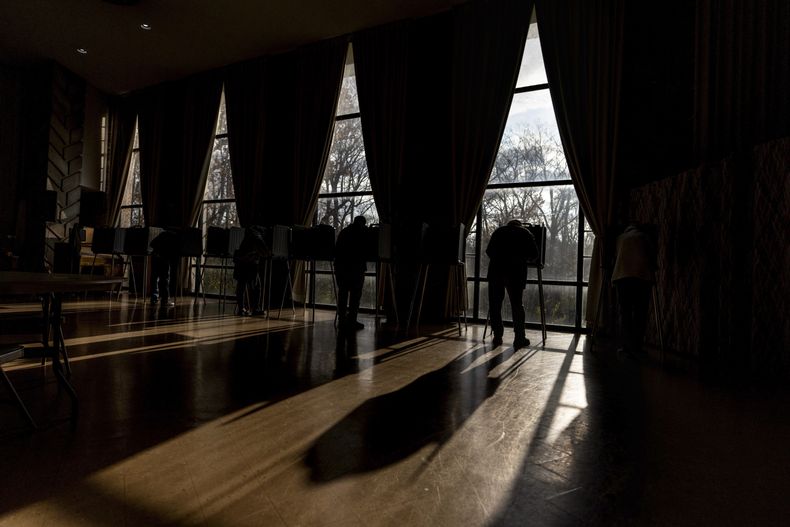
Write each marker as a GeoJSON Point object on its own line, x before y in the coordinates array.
{"type": "Point", "coordinates": [146, 27]}
{"type": "Point", "coordinates": [82, 51]}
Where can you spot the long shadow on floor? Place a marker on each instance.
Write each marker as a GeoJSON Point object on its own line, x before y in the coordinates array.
{"type": "Point", "coordinates": [388, 428]}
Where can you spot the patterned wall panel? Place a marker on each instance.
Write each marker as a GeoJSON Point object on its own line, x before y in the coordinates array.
{"type": "Point", "coordinates": [723, 260]}
{"type": "Point", "coordinates": [770, 337]}
{"type": "Point", "coordinates": [65, 150]}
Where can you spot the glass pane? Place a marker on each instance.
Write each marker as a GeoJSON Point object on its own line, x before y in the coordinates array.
{"type": "Point", "coordinates": [325, 294]}
{"type": "Point", "coordinates": [323, 266]}
{"type": "Point", "coordinates": [346, 168]}
{"type": "Point", "coordinates": [586, 266]}
{"type": "Point", "coordinates": [532, 70]}
{"type": "Point", "coordinates": [136, 140]}
{"type": "Point", "coordinates": [219, 181]}
{"type": "Point", "coordinates": [132, 217]}
{"type": "Point", "coordinates": [348, 101]}
{"type": "Point", "coordinates": [339, 212]}
{"type": "Point", "coordinates": [222, 121]}
{"type": "Point", "coordinates": [530, 149]}
{"type": "Point", "coordinates": [483, 300]}
{"type": "Point", "coordinates": [213, 261]}
{"type": "Point", "coordinates": [556, 207]}
{"type": "Point", "coordinates": [589, 240]}
{"type": "Point", "coordinates": [560, 304]}
{"type": "Point", "coordinates": [212, 281]}
{"type": "Point", "coordinates": [584, 307]}
{"type": "Point", "coordinates": [324, 290]}
{"type": "Point", "coordinates": [132, 193]}
{"type": "Point", "coordinates": [220, 214]}
{"type": "Point", "coordinates": [471, 250]}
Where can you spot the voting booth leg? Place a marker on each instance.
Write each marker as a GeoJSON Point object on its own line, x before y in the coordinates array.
{"type": "Point", "coordinates": [128, 266]}
{"type": "Point", "coordinates": [288, 286]}
{"type": "Point", "coordinates": [200, 282]}
{"type": "Point", "coordinates": [414, 301]}
{"type": "Point", "coordinates": [223, 286]}
{"type": "Point", "coordinates": [542, 306]}
{"type": "Point", "coordinates": [460, 275]}
{"type": "Point", "coordinates": [384, 277]}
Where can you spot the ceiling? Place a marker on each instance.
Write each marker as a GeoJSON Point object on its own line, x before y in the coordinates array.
{"type": "Point", "coordinates": [186, 36]}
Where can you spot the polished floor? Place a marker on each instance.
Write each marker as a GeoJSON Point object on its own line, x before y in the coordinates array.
{"type": "Point", "coordinates": [191, 417]}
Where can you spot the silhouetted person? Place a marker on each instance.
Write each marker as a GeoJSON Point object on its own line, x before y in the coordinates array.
{"type": "Point", "coordinates": [165, 263]}
{"type": "Point", "coordinates": [633, 276]}
{"type": "Point", "coordinates": [350, 268]}
{"type": "Point", "coordinates": [246, 270]}
{"type": "Point", "coordinates": [511, 248]}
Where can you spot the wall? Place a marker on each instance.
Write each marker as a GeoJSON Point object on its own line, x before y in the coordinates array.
{"type": "Point", "coordinates": [95, 108]}
{"type": "Point", "coordinates": [723, 258]}
{"type": "Point", "coordinates": [10, 115]}
{"type": "Point", "coordinates": [24, 112]}
{"type": "Point", "coordinates": [42, 133]}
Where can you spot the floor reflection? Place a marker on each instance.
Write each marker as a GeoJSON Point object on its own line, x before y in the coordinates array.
{"type": "Point", "coordinates": [390, 427]}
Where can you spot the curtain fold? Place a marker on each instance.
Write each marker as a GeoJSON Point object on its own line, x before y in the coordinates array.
{"type": "Point", "coordinates": [318, 78]}
{"type": "Point", "coordinates": [742, 75]}
{"type": "Point", "coordinates": [176, 129]}
{"type": "Point", "coordinates": [281, 113]}
{"type": "Point", "coordinates": [301, 117]}
{"type": "Point", "coordinates": [382, 73]}
{"type": "Point", "coordinates": [582, 42]}
{"type": "Point", "coordinates": [489, 40]}
{"type": "Point", "coordinates": [120, 135]}
{"type": "Point", "coordinates": [151, 119]}
{"type": "Point", "coordinates": [201, 108]}
{"type": "Point", "coordinates": [244, 89]}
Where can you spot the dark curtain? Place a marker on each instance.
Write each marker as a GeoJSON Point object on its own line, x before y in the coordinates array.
{"type": "Point", "coordinates": [244, 85]}
{"type": "Point", "coordinates": [177, 122]}
{"type": "Point", "coordinates": [280, 120]}
{"type": "Point", "coordinates": [201, 107]}
{"type": "Point", "coordinates": [305, 85]}
{"type": "Point", "coordinates": [381, 67]}
{"type": "Point", "coordinates": [742, 75]}
{"type": "Point", "coordinates": [120, 135]}
{"type": "Point", "coordinates": [489, 40]}
{"type": "Point", "coordinates": [318, 75]}
{"type": "Point", "coordinates": [151, 119]}
{"type": "Point", "coordinates": [582, 43]}
{"type": "Point", "coordinates": [404, 77]}
{"type": "Point", "coordinates": [281, 113]}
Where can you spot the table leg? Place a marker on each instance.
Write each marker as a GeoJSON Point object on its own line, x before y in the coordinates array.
{"type": "Point", "coordinates": [54, 346]}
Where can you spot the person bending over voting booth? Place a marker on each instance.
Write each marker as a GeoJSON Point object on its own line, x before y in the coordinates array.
{"type": "Point", "coordinates": [350, 268]}
{"type": "Point", "coordinates": [246, 270]}
{"type": "Point", "coordinates": [165, 265]}
{"type": "Point", "coordinates": [511, 248]}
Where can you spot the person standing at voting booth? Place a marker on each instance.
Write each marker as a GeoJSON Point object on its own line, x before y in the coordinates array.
{"type": "Point", "coordinates": [633, 277]}
{"type": "Point", "coordinates": [350, 268]}
{"type": "Point", "coordinates": [165, 264]}
{"type": "Point", "coordinates": [511, 248]}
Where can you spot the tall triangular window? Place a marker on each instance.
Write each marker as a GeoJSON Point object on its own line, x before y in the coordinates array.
{"type": "Point", "coordinates": [530, 181]}
{"type": "Point", "coordinates": [345, 188]}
